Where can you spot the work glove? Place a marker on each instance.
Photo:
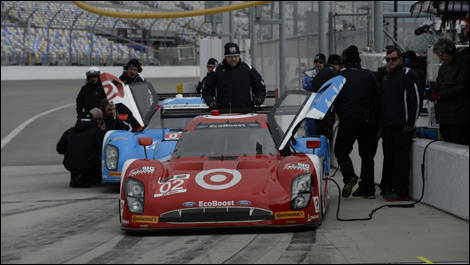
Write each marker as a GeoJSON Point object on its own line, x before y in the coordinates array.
{"type": "Point", "coordinates": [212, 105]}
{"type": "Point", "coordinates": [258, 101]}
{"type": "Point", "coordinates": [408, 129]}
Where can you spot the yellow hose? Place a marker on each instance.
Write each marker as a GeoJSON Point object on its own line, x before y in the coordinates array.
{"type": "Point", "coordinates": [179, 14]}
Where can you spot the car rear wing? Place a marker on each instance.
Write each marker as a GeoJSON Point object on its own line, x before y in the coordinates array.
{"type": "Point", "coordinates": [163, 96]}
{"type": "Point", "coordinates": [191, 113]}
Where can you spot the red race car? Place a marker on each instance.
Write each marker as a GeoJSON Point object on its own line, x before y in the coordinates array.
{"type": "Point", "coordinates": [235, 170]}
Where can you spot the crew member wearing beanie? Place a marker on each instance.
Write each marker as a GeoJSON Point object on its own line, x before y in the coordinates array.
{"type": "Point", "coordinates": [234, 86]}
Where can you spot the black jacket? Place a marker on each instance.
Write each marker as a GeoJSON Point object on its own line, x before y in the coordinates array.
{"type": "Point", "coordinates": [233, 88]}
{"type": "Point", "coordinates": [324, 75]}
{"type": "Point", "coordinates": [81, 146]}
{"type": "Point", "coordinates": [200, 85]}
{"type": "Point", "coordinates": [117, 124]}
{"type": "Point", "coordinates": [128, 80]}
{"type": "Point", "coordinates": [453, 81]}
{"type": "Point", "coordinates": [358, 97]}
{"type": "Point", "coordinates": [399, 98]}
{"type": "Point", "coordinates": [89, 97]}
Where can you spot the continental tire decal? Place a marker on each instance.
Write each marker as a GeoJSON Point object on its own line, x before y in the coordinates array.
{"type": "Point", "coordinates": [145, 219]}
{"type": "Point", "coordinates": [289, 215]}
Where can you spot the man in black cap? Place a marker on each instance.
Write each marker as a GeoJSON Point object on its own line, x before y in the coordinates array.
{"type": "Point", "coordinates": [211, 64]}
{"type": "Point", "coordinates": [131, 73]}
{"type": "Point", "coordinates": [319, 61]}
{"type": "Point", "coordinates": [356, 107]}
{"type": "Point", "coordinates": [234, 86]}
{"type": "Point", "coordinates": [81, 147]}
{"type": "Point", "coordinates": [91, 93]}
{"type": "Point", "coordinates": [307, 82]}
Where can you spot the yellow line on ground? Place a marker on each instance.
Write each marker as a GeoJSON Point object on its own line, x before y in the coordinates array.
{"type": "Point", "coordinates": [424, 259]}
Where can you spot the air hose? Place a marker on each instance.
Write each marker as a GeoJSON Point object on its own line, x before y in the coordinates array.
{"type": "Point", "coordinates": [407, 205]}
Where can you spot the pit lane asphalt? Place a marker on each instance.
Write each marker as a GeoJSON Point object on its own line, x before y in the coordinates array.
{"type": "Point", "coordinates": [45, 221]}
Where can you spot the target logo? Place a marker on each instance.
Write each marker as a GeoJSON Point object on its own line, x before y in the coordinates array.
{"type": "Point", "coordinates": [218, 178]}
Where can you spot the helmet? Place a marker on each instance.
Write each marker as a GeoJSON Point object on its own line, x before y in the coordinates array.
{"type": "Point", "coordinates": [134, 62]}
{"type": "Point", "coordinates": [93, 71]}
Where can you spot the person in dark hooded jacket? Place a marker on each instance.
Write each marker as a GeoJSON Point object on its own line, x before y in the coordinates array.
{"type": "Point", "coordinates": [454, 94]}
{"type": "Point", "coordinates": [356, 107]}
{"type": "Point", "coordinates": [81, 147]}
{"type": "Point", "coordinates": [211, 64]}
{"type": "Point", "coordinates": [91, 93]}
{"type": "Point", "coordinates": [328, 71]}
{"type": "Point", "coordinates": [131, 73]}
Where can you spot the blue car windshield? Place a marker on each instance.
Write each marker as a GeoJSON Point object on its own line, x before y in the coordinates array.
{"type": "Point", "coordinates": [230, 141]}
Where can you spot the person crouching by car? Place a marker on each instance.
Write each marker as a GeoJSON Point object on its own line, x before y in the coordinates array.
{"type": "Point", "coordinates": [81, 147]}
{"type": "Point", "coordinates": [131, 73]}
{"type": "Point", "coordinates": [111, 117]}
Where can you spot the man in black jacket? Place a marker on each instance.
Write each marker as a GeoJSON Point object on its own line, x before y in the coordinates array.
{"type": "Point", "coordinates": [91, 93]}
{"type": "Point", "coordinates": [234, 86]}
{"type": "Point", "coordinates": [211, 64]}
{"type": "Point", "coordinates": [131, 73]}
{"type": "Point", "coordinates": [452, 81]}
{"type": "Point", "coordinates": [81, 147]}
{"type": "Point", "coordinates": [399, 109]}
{"type": "Point", "coordinates": [356, 109]}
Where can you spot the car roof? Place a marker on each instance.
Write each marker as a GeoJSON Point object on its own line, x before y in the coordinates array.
{"type": "Point", "coordinates": [224, 118]}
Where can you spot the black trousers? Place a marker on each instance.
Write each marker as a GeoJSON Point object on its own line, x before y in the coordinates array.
{"type": "Point", "coordinates": [350, 130]}
{"type": "Point", "coordinates": [455, 133]}
{"type": "Point", "coordinates": [396, 146]}
{"type": "Point", "coordinates": [89, 174]}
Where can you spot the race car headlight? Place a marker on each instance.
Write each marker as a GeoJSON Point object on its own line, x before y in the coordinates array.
{"type": "Point", "coordinates": [301, 191]}
{"type": "Point", "coordinates": [111, 156]}
{"type": "Point", "coordinates": [135, 194]}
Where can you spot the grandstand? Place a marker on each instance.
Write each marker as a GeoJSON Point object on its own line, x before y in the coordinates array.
{"type": "Point", "coordinates": [56, 32]}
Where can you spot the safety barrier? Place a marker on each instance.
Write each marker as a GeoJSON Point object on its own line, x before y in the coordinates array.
{"type": "Point", "coordinates": [446, 174]}
{"type": "Point", "coordinates": [78, 72]}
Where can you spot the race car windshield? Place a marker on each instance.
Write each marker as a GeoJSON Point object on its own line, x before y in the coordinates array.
{"type": "Point", "coordinates": [230, 141]}
{"type": "Point", "coordinates": [168, 123]}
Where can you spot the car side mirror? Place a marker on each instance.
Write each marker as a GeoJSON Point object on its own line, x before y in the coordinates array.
{"type": "Point", "coordinates": [145, 141]}
{"type": "Point", "coordinates": [312, 144]}
{"type": "Point", "coordinates": [123, 117]}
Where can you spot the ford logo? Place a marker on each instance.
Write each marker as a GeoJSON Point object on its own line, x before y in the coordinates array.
{"type": "Point", "coordinates": [189, 204]}
{"type": "Point", "coordinates": [243, 202]}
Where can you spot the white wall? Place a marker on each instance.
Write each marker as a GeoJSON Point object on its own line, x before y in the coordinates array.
{"type": "Point", "coordinates": [446, 174]}
{"type": "Point", "coordinates": [78, 72]}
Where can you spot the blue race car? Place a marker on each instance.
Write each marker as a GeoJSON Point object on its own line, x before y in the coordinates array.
{"type": "Point", "coordinates": [147, 107]}
{"type": "Point", "coordinates": [162, 117]}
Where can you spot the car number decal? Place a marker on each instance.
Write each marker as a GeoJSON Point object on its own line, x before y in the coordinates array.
{"type": "Point", "coordinates": [172, 136]}
{"type": "Point", "coordinates": [171, 187]}
{"type": "Point", "coordinates": [219, 180]}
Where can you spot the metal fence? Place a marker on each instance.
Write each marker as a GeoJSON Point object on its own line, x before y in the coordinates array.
{"type": "Point", "coordinates": [302, 43]}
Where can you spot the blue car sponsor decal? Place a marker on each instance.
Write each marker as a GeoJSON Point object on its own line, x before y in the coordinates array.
{"type": "Point", "coordinates": [243, 202]}
{"type": "Point", "coordinates": [189, 204]}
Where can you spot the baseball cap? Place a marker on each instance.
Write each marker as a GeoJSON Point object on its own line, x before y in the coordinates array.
{"type": "Point", "coordinates": [320, 57]}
